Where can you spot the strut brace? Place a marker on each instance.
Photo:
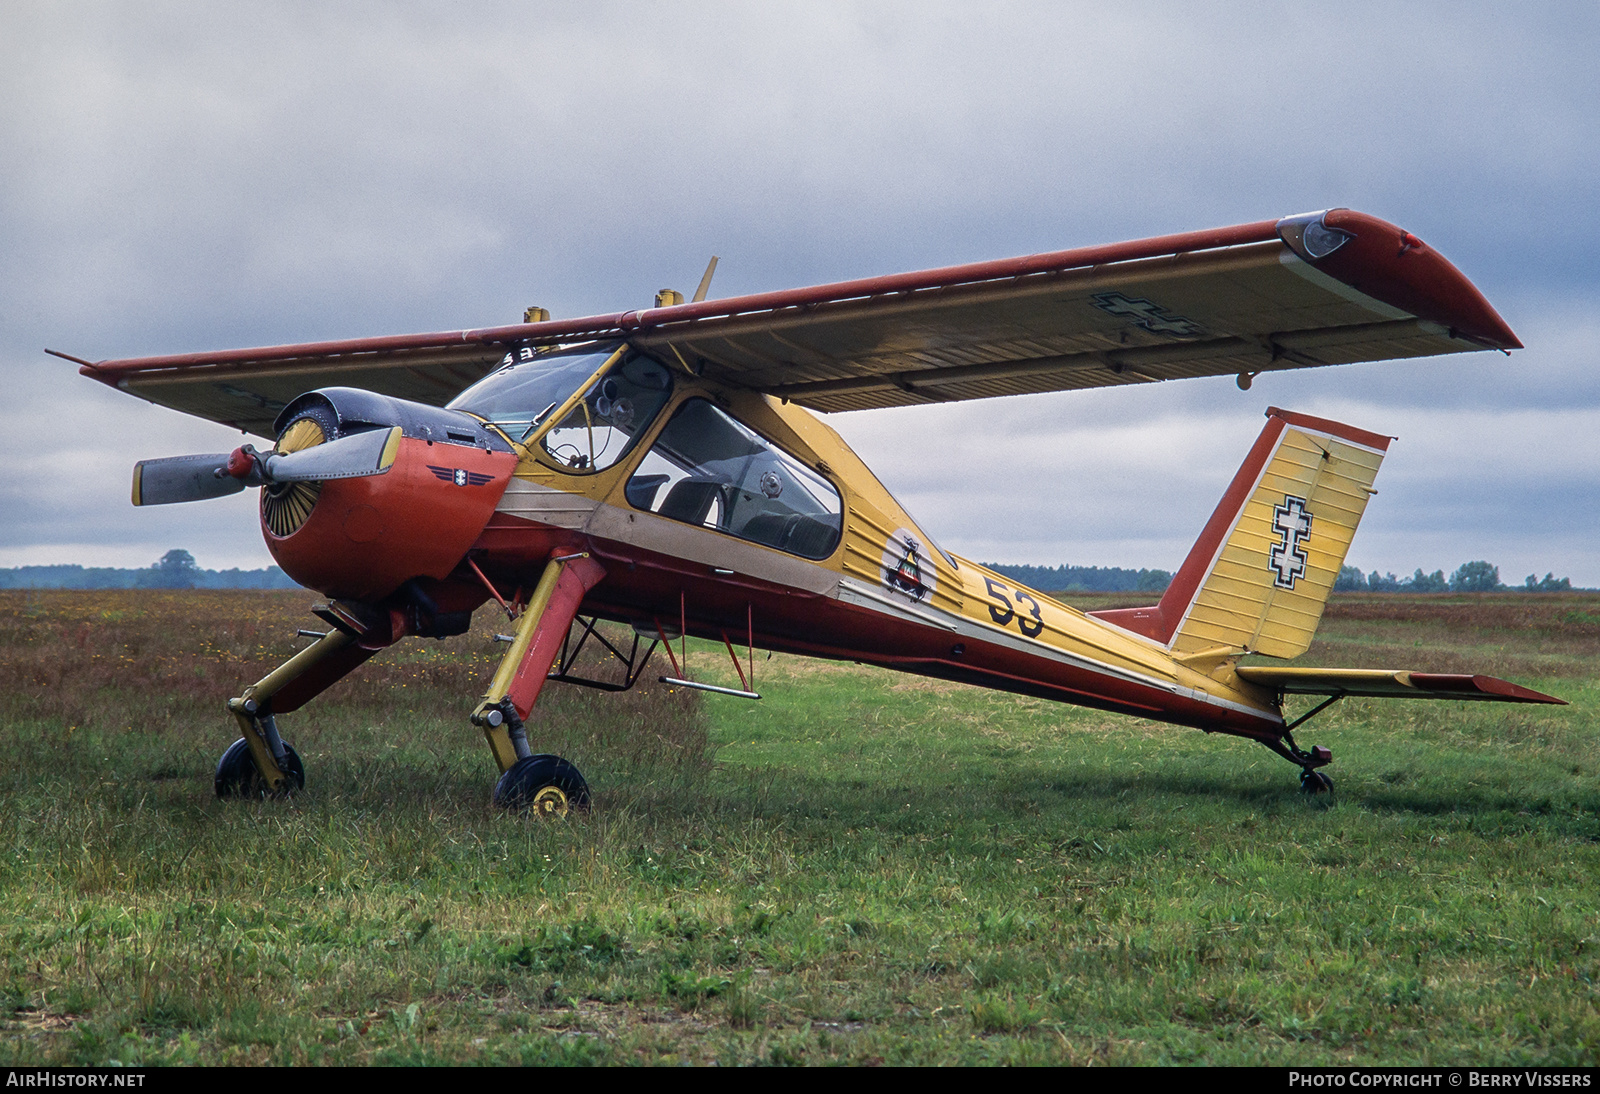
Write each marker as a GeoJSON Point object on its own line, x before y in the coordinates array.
{"type": "Point", "coordinates": [633, 662]}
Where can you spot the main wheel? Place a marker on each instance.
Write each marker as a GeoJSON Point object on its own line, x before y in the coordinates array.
{"type": "Point", "coordinates": [548, 785]}
{"type": "Point", "coordinates": [1314, 782]}
{"type": "Point", "coordinates": [237, 776]}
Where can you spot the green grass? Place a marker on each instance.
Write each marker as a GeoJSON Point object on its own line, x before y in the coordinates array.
{"type": "Point", "coordinates": [861, 867]}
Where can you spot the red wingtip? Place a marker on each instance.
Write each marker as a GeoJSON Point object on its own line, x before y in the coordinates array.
{"type": "Point", "coordinates": [1396, 267]}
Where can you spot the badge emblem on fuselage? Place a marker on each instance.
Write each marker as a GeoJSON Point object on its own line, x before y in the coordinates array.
{"type": "Point", "coordinates": [905, 569]}
{"type": "Point", "coordinates": [460, 476]}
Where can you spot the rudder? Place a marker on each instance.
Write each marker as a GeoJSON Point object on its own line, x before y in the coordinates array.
{"type": "Point", "coordinates": [1259, 576]}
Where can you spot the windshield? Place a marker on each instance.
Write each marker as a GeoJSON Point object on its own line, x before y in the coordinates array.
{"type": "Point", "coordinates": [527, 387]}
{"type": "Point", "coordinates": [599, 429]}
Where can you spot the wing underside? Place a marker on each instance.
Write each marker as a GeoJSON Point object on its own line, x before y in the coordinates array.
{"type": "Point", "coordinates": [1246, 310]}
{"type": "Point", "coordinates": [1319, 289]}
{"type": "Point", "coordinates": [248, 395]}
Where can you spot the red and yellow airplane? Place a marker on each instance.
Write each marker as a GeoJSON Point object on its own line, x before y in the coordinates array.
{"type": "Point", "coordinates": [662, 468]}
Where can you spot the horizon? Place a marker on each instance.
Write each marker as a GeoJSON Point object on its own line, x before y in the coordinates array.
{"type": "Point", "coordinates": [1509, 586]}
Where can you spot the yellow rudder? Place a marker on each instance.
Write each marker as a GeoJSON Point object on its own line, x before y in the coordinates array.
{"type": "Point", "coordinates": [1260, 574]}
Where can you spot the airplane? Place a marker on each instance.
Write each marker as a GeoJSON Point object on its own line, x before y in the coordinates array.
{"type": "Point", "coordinates": [663, 469]}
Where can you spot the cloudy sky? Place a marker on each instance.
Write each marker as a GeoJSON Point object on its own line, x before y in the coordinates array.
{"type": "Point", "coordinates": [179, 177]}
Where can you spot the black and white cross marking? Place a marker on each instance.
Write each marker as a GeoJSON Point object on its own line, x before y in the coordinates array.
{"type": "Point", "coordinates": [1287, 560]}
{"type": "Point", "coordinates": [1147, 314]}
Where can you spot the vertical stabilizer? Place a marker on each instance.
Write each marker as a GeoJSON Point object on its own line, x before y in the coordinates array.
{"type": "Point", "coordinates": [1259, 575]}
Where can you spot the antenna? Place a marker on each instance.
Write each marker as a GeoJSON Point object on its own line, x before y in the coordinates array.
{"type": "Point", "coordinates": [705, 282]}
{"type": "Point", "coordinates": [81, 361]}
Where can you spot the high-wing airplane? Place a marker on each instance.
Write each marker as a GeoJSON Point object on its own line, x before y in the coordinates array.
{"type": "Point", "coordinates": [662, 469]}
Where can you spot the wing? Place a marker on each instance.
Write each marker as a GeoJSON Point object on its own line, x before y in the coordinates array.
{"type": "Point", "coordinates": [247, 388]}
{"type": "Point", "coordinates": [1318, 289]}
{"type": "Point", "coordinates": [1384, 684]}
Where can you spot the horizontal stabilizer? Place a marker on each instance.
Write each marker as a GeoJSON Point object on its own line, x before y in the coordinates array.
{"type": "Point", "coordinates": [183, 478]}
{"type": "Point", "coordinates": [1384, 684]}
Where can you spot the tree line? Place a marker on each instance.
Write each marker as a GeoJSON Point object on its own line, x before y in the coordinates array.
{"type": "Point", "coordinates": [174, 570]}
{"type": "Point", "coordinates": [177, 569]}
{"type": "Point", "coordinates": [1470, 577]}
{"type": "Point", "coordinates": [1085, 579]}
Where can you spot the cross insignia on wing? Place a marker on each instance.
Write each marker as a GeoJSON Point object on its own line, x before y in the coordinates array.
{"type": "Point", "coordinates": [1147, 314]}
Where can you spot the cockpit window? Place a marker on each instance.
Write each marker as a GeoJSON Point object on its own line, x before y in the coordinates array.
{"type": "Point", "coordinates": [708, 469]}
{"type": "Point", "coordinates": [600, 427]}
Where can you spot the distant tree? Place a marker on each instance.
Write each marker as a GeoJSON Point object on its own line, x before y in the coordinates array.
{"type": "Point", "coordinates": [1420, 582]}
{"type": "Point", "coordinates": [175, 570]}
{"type": "Point", "coordinates": [73, 576]}
{"type": "Point", "coordinates": [1350, 580]}
{"type": "Point", "coordinates": [1153, 581]}
{"type": "Point", "coordinates": [1475, 577]}
{"type": "Point", "coordinates": [1550, 584]}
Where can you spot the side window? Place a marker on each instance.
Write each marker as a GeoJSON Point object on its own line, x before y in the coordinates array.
{"type": "Point", "coordinates": [600, 429]}
{"type": "Point", "coordinates": [708, 469]}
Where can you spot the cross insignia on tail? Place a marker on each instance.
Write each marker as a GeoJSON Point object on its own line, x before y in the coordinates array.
{"type": "Point", "coordinates": [1288, 559]}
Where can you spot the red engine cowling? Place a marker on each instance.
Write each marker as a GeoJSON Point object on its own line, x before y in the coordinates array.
{"type": "Point", "coordinates": [364, 537]}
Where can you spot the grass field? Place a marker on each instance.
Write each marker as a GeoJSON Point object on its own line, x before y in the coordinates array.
{"type": "Point", "coordinates": [861, 868]}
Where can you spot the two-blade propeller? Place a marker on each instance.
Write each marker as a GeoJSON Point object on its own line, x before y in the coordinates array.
{"type": "Point", "coordinates": [197, 478]}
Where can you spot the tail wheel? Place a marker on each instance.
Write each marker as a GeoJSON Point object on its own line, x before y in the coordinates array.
{"type": "Point", "coordinates": [1315, 782]}
{"type": "Point", "coordinates": [285, 506]}
{"type": "Point", "coordinates": [547, 786]}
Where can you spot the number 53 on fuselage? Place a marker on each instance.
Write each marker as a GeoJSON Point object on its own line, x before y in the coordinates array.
{"type": "Point", "coordinates": [663, 469]}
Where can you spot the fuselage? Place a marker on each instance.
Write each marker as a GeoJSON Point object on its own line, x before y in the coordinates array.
{"type": "Point", "coordinates": [881, 592]}
{"type": "Point", "coordinates": [715, 511]}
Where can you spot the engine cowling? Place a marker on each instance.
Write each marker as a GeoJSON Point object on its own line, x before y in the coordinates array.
{"type": "Point", "coordinates": [361, 538]}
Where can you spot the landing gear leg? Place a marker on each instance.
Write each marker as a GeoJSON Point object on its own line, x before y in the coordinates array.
{"type": "Point", "coordinates": [260, 762]}
{"type": "Point", "coordinates": [525, 778]}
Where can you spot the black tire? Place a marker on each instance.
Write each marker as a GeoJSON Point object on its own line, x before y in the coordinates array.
{"type": "Point", "coordinates": [1315, 782]}
{"type": "Point", "coordinates": [237, 776]}
{"type": "Point", "coordinates": [547, 785]}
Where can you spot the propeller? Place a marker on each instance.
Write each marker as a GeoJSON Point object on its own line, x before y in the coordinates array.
{"type": "Point", "coordinates": [197, 478]}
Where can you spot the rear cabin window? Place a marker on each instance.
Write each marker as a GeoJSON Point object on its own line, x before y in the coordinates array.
{"type": "Point", "coordinates": [710, 470]}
